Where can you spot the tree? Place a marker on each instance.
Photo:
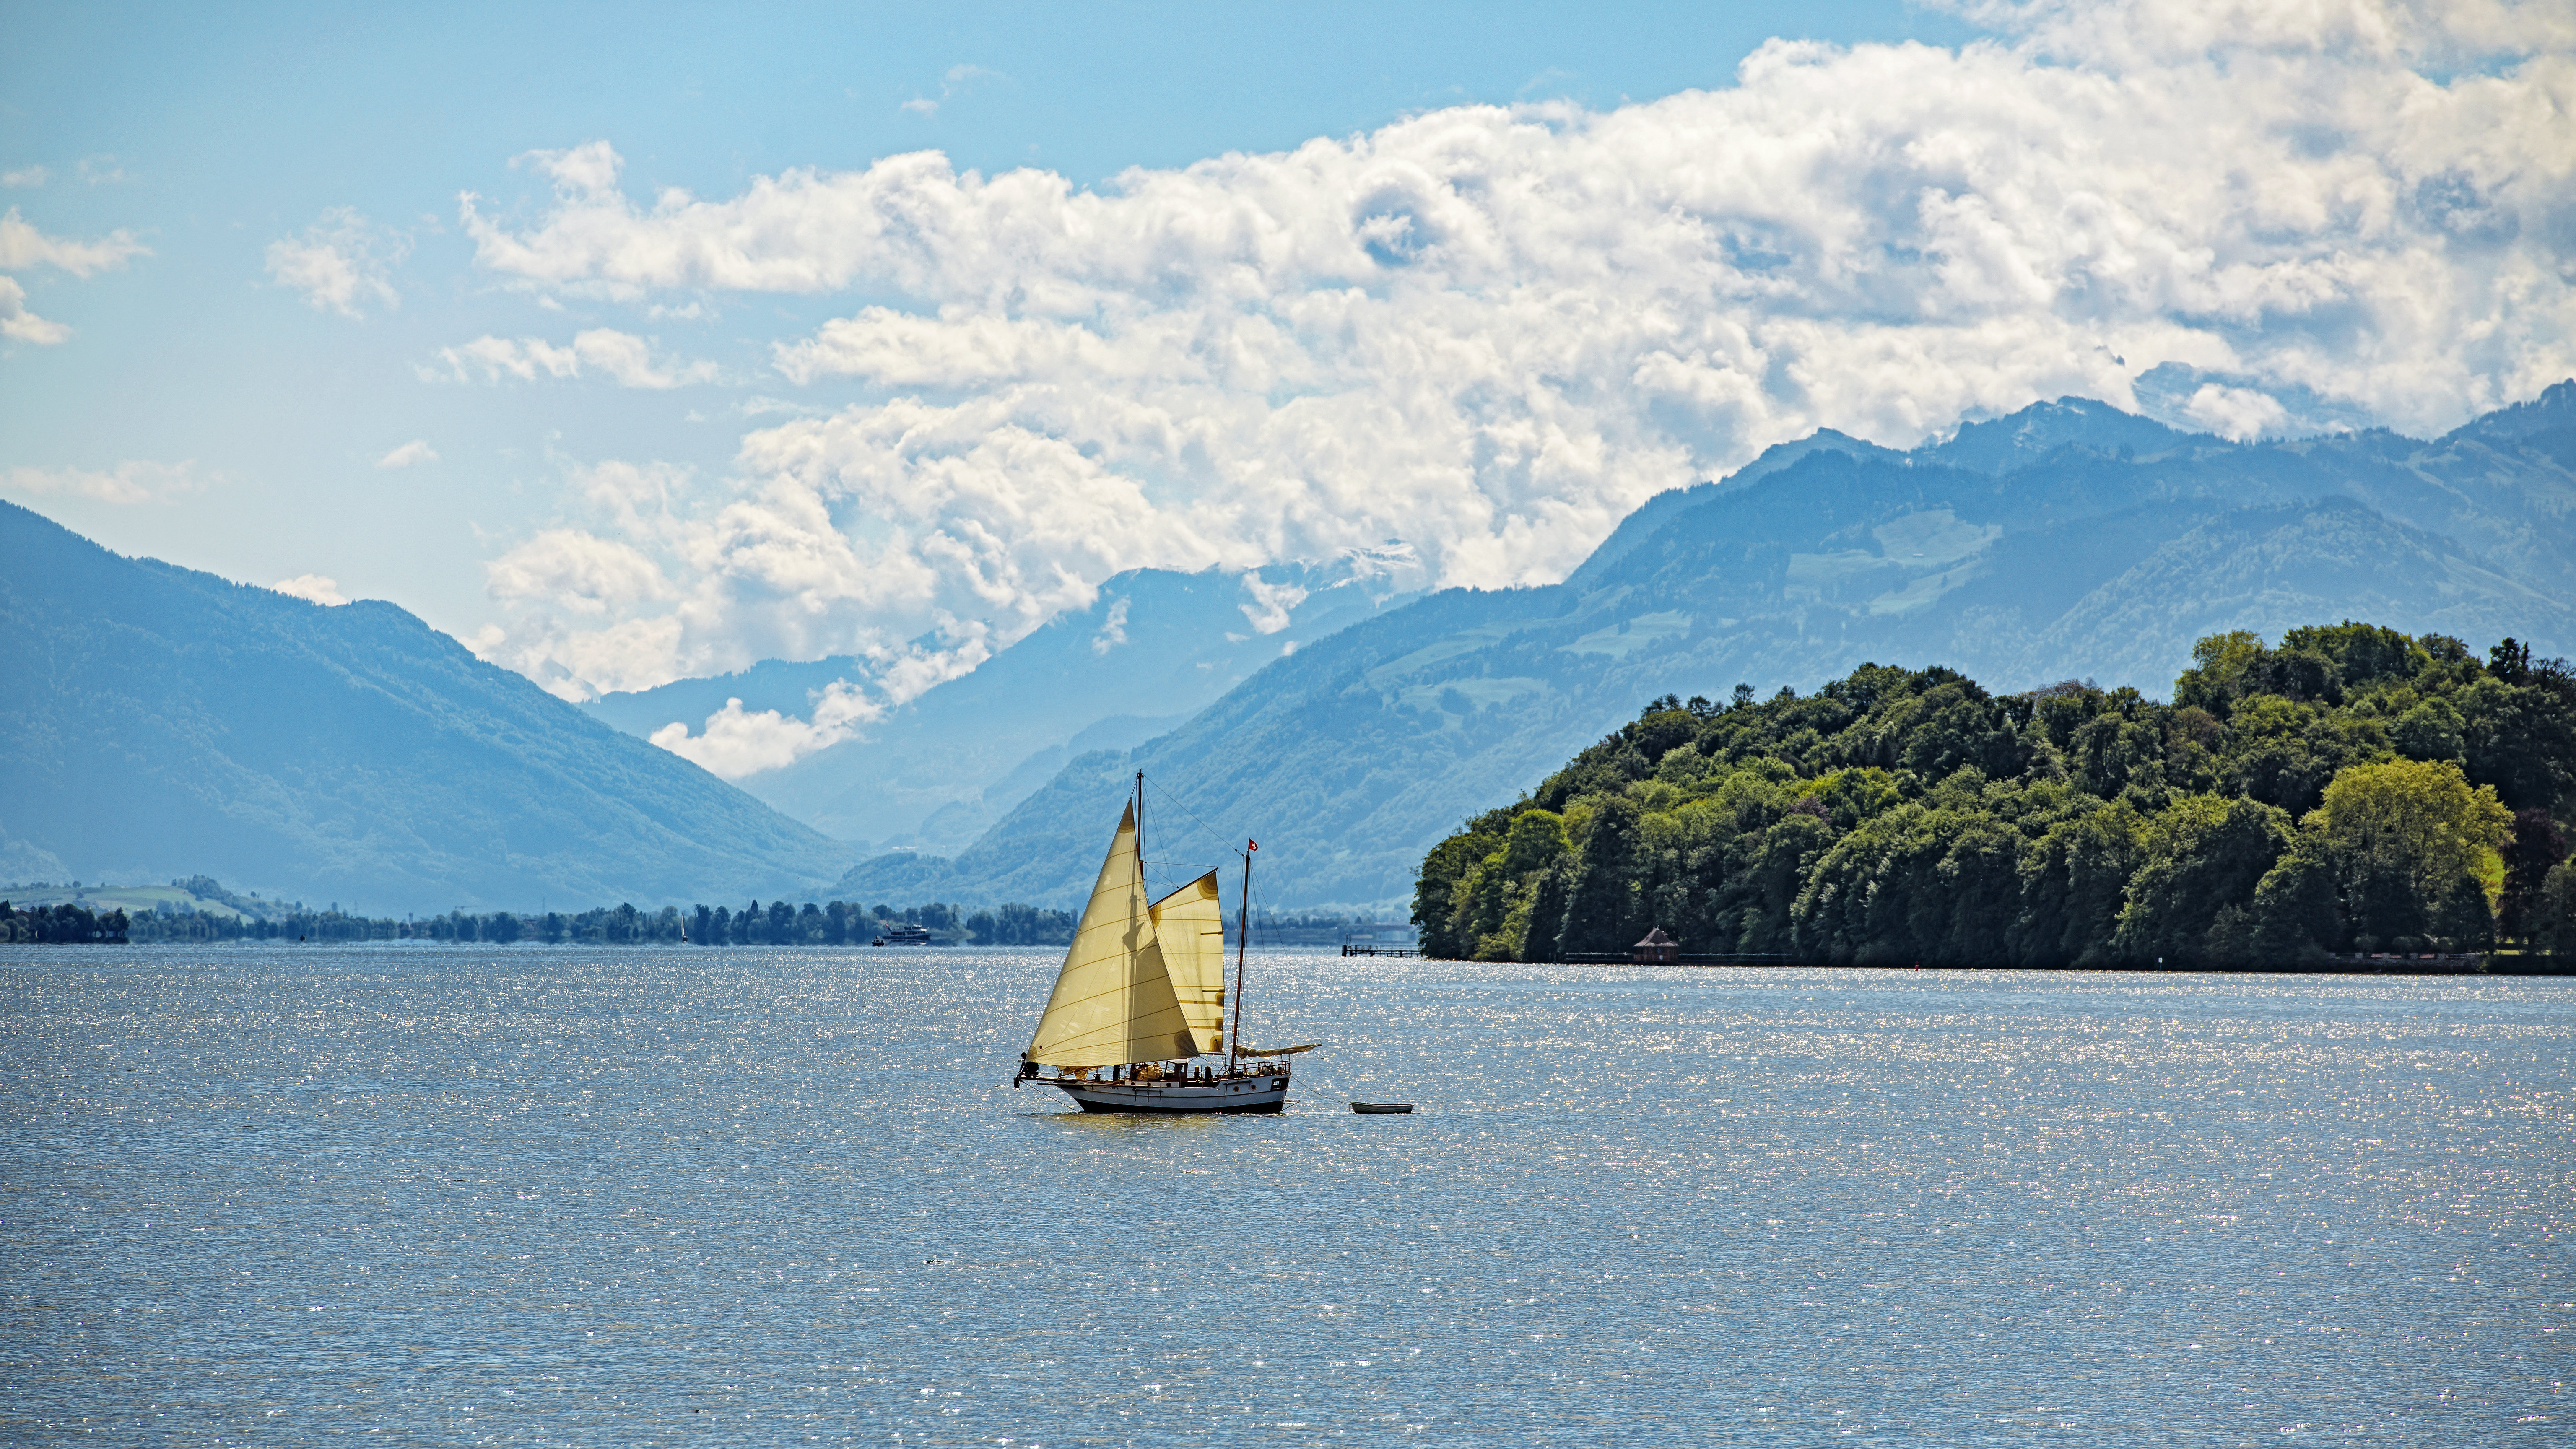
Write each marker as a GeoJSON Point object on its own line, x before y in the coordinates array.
{"type": "Point", "coordinates": [2413, 845]}
{"type": "Point", "coordinates": [2535, 850]}
{"type": "Point", "coordinates": [1601, 903]}
{"type": "Point", "coordinates": [2072, 887]}
{"type": "Point", "coordinates": [2202, 856]}
{"type": "Point", "coordinates": [2296, 916]}
{"type": "Point", "coordinates": [2553, 915]}
{"type": "Point", "coordinates": [1546, 925]}
{"type": "Point", "coordinates": [1436, 887]}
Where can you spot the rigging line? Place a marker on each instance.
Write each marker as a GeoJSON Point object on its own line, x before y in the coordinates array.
{"type": "Point", "coordinates": [1212, 831]}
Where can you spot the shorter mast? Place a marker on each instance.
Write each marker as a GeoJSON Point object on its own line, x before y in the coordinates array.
{"type": "Point", "coordinates": [1242, 944]}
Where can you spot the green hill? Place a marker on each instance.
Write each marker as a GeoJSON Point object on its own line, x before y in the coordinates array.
{"type": "Point", "coordinates": [2352, 790]}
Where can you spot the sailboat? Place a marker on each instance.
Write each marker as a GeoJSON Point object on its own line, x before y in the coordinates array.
{"type": "Point", "coordinates": [1141, 999]}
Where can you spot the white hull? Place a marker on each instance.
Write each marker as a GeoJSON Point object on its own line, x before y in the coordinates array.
{"type": "Point", "coordinates": [1264, 1093]}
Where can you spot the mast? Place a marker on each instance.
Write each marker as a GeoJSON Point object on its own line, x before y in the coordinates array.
{"type": "Point", "coordinates": [1141, 878]}
{"type": "Point", "coordinates": [1242, 944]}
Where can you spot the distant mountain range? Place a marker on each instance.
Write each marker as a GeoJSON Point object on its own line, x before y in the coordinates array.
{"type": "Point", "coordinates": [1153, 648]}
{"type": "Point", "coordinates": [2066, 539]}
{"type": "Point", "coordinates": [157, 722]}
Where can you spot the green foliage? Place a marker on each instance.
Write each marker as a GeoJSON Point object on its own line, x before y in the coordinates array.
{"type": "Point", "coordinates": [2553, 914]}
{"type": "Point", "coordinates": [60, 925]}
{"type": "Point", "coordinates": [2203, 856]}
{"type": "Point", "coordinates": [780, 923]}
{"type": "Point", "coordinates": [2413, 847]}
{"type": "Point", "coordinates": [2349, 789]}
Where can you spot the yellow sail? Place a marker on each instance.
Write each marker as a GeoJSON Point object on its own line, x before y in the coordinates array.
{"type": "Point", "coordinates": [1191, 928]}
{"type": "Point", "coordinates": [1113, 1002]}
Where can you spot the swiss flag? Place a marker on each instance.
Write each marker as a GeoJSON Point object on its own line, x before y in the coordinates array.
{"type": "Point", "coordinates": [1254, 844]}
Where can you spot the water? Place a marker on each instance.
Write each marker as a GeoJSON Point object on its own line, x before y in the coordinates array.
{"type": "Point", "coordinates": [536, 1195]}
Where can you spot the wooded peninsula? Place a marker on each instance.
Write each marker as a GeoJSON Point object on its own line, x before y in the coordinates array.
{"type": "Point", "coordinates": [2353, 790]}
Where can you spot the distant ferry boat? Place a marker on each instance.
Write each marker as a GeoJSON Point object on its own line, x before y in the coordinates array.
{"type": "Point", "coordinates": [1141, 997]}
{"type": "Point", "coordinates": [904, 935]}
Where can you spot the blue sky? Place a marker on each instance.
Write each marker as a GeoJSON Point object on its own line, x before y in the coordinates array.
{"type": "Point", "coordinates": [1471, 279]}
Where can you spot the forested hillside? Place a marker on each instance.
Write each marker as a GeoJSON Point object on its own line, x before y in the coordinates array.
{"type": "Point", "coordinates": [2351, 789]}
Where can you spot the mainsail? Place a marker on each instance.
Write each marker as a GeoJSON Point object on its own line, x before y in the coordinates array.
{"type": "Point", "coordinates": [1113, 1002]}
{"type": "Point", "coordinates": [1191, 929]}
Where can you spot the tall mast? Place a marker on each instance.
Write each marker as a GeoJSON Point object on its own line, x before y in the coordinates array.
{"type": "Point", "coordinates": [1242, 943]}
{"type": "Point", "coordinates": [1140, 836]}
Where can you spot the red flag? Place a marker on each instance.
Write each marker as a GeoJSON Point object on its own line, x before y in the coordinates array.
{"type": "Point", "coordinates": [1255, 844]}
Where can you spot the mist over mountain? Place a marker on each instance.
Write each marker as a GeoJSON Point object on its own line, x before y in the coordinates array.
{"type": "Point", "coordinates": [1153, 648]}
{"type": "Point", "coordinates": [159, 722]}
{"type": "Point", "coordinates": [2068, 539]}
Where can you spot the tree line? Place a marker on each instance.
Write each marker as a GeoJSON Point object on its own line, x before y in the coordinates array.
{"type": "Point", "coordinates": [60, 925]}
{"type": "Point", "coordinates": [778, 923]}
{"type": "Point", "coordinates": [2351, 790]}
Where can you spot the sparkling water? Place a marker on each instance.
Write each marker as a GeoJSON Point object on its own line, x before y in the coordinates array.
{"type": "Point", "coordinates": [535, 1195]}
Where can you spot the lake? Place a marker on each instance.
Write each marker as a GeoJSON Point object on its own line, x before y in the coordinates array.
{"type": "Point", "coordinates": [553, 1195]}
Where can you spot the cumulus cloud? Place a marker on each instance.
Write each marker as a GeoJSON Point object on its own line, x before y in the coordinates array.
{"type": "Point", "coordinates": [416, 451]}
{"type": "Point", "coordinates": [313, 588]}
{"type": "Point", "coordinates": [25, 176]}
{"type": "Point", "coordinates": [342, 263]}
{"type": "Point", "coordinates": [2235, 412]}
{"type": "Point", "coordinates": [1490, 332]}
{"type": "Point", "coordinates": [133, 481]}
{"type": "Point", "coordinates": [733, 743]}
{"type": "Point", "coordinates": [624, 358]}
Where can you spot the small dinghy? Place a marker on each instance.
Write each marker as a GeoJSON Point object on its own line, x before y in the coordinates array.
{"type": "Point", "coordinates": [1374, 1109]}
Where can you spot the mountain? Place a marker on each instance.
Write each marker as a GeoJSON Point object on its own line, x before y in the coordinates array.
{"type": "Point", "coordinates": [2069, 531]}
{"type": "Point", "coordinates": [157, 722]}
{"type": "Point", "coordinates": [1154, 648]}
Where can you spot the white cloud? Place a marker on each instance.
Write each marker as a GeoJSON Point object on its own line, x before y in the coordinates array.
{"type": "Point", "coordinates": [314, 588]}
{"type": "Point", "coordinates": [23, 246]}
{"type": "Point", "coordinates": [586, 574]}
{"type": "Point", "coordinates": [2235, 412]}
{"type": "Point", "coordinates": [733, 743]}
{"type": "Point", "coordinates": [25, 176]}
{"type": "Point", "coordinates": [417, 450]}
{"type": "Point", "coordinates": [342, 263]}
{"type": "Point", "coordinates": [626, 359]}
{"type": "Point", "coordinates": [1113, 628]}
{"type": "Point", "coordinates": [133, 481]}
{"type": "Point", "coordinates": [21, 325]}
{"type": "Point", "coordinates": [1490, 332]}
{"type": "Point", "coordinates": [956, 78]}
{"type": "Point", "coordinates": [1271, 603]}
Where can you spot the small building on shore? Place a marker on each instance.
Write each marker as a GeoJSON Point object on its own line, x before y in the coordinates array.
{"type": "Point", "coordinates": [1657, 949]}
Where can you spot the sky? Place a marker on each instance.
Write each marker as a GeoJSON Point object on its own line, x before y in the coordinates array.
{"type": "Point", "coordinates": [630, 343]}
